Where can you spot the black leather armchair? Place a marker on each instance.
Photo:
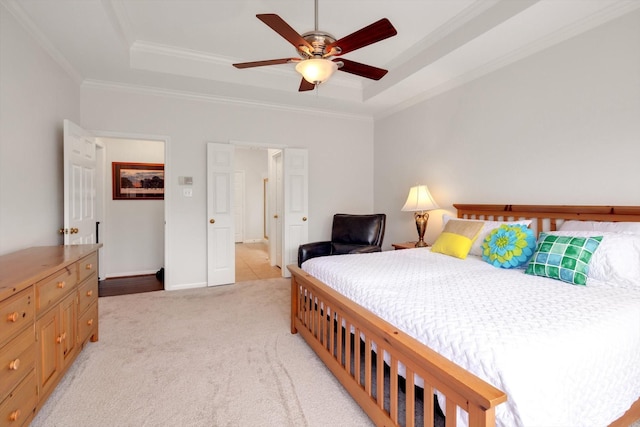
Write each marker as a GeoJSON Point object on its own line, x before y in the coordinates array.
{"type": "Point", "coordinates": [350, 234]}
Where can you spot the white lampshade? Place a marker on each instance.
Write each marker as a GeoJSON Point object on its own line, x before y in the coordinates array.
{"type": "Point", "coordinates": [420, 199]}
{"type": "Point", "coordinates": [316, 70]}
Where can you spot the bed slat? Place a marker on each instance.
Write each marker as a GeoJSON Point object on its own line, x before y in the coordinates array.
{"type": "Point", "coordinates": [461, 388]}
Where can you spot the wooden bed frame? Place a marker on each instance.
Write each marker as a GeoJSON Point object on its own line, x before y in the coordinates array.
{"type": "Point", "coordinates": [317, 311]}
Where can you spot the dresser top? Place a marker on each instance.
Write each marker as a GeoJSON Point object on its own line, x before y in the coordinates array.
{"type": "Point", "coordinates": [20, 269]}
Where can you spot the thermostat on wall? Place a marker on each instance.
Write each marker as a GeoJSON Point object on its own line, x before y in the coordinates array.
{"type": "Point", "coordinates": [185, 180]}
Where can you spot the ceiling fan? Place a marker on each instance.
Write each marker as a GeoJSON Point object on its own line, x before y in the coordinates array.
{"type": "Point", "coordinates": [317, 50]}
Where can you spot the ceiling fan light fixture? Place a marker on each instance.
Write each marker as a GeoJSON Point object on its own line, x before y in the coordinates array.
{"type": "Point", "coordinates": [316, 70]}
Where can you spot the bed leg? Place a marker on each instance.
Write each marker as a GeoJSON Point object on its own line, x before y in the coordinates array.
{"type": "Point", "coordinates": [294, 304]}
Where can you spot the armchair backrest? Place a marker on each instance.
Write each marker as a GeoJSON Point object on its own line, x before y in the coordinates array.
{"type": "Point", "coordinates": [351, 229]}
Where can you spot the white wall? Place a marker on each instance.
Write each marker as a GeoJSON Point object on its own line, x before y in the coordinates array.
{"type": "Point", "coordinates": [560, 127]}
{"type": "Point", "coordinates": [132, 230]}
{"type": "Point", "coordinates": [36, 95]}
{"type": "Point", "coordinates": [340, 159]}
{"type": "Point", "coordinates": [254, 163]}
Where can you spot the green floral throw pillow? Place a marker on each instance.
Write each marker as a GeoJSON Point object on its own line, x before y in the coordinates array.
{"type": "Point", "coordinates": [563, 258]}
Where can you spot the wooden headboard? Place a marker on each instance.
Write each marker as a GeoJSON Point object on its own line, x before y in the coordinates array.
{"type": "Point", "coordinates": [548, 217]}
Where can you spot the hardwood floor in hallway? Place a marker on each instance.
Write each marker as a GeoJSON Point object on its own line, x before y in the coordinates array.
{"type": "Point", "coordinates": [252, 262]}
{"type": "Point", "coordinates": [129, 285]}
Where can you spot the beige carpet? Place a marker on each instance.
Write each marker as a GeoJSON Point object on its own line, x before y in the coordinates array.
{"type": "Point", "coordinates": [206, 357]}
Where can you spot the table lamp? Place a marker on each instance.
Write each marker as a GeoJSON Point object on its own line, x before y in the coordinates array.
{"type": "Point", "coordinates": [420, 201]}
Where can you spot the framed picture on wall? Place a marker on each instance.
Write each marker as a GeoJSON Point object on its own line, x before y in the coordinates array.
{"type": "Point", "coordinates": [138, 181]}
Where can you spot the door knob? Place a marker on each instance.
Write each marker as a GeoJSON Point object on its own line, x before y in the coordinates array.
{"type": "Point", "coordinates": [212, 221]}
{"type": "Point", "coordinates": [275, 216]}
{"type": "Point", "coordinates": [304, 218]}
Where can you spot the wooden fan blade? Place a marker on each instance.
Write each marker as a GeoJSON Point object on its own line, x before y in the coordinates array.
{"type": "Point", "coordinates": [370, 34]}
{"type": "Point", "coordinates": [278, 25]}
{"type": "Point", "coordinates": [305, 85]}
{"type": "Point", "coordinates": [263, 63]}
{"type": "Point", "coordinates": [359, 69]}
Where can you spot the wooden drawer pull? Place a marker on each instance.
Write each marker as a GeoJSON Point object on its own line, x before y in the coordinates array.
{"type": "Point", "coordinates": [89, 266]}
{"type": "Point", "coordinates": [90, 322]}
{"type": "Point", "coordinates": [14, 365]}
{"type": "Point", "coordinates": [61, 284]}
{"type": "Point", "coordinates": [61, 337]}
{"type": "Point", "coordinates": [13, 317]}
{"type": "Point", "coordinates": [14, 415]}
{"type": "Point", "coordinates": [89, 293]}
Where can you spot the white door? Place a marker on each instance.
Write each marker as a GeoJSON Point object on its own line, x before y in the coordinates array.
{"type": "Point", "coordinates": [238, 198]}
{"type": "Point", "coordinates": [221, 260]}
{"type": "Point", "coordinates": [295, 198]}
{"type": "Point", "coordinates": [276, 207]}
{"type": "Point", "coordinates": [101, 179]}
{"type": "Point", "coordinates": [79, 156]}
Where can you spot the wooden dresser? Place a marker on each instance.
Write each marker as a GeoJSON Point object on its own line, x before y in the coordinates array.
{"type": "Point", "coordinates": [48, 312]}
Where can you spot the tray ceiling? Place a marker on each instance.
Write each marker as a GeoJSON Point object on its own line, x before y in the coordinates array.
{"type": "Point", "coordinates": [187, 46]}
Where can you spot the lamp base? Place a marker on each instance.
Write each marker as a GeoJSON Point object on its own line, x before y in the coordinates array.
{"type": "Point", "coordinates": [421, 226]}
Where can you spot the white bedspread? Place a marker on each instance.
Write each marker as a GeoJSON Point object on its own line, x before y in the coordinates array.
{"type": "Point", "coordinates": [565, 355]}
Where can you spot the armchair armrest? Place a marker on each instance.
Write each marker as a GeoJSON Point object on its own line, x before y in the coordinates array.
{"type": "Point", "coordinates": [312, 250]}
{"type": "Point", "coordinates": [365, 249]}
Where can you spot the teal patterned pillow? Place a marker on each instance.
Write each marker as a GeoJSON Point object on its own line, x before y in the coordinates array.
{"type": "Point", "coordinates": [509, 246]}
{"type": "Point", "coordinates": [563, 257]}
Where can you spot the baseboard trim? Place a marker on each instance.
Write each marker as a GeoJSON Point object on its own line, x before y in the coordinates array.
{"type": "Point", "coordinates": [130, 274]}
{"type": "Point", "coordinates": [253, 241]}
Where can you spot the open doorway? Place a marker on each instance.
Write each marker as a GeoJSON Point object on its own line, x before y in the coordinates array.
{"type": "Point", "coordinates": [291, 215]}
{"type": "Point", "coordinates": [252, 262]}
{"type": "Point", "coordinates": [133, 227]}
{"type": "Point", "coordinates": [251, 204]}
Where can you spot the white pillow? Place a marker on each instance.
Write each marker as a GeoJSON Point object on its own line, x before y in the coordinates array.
{"type": "Point", "coordinates": [614, 227]}
{"type": "Point", "coordinates": [617, 259]}
{"type": "Point", "coordinates": [476, 247]}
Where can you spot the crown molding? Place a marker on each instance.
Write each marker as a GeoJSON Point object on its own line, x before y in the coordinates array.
{"type": "Point", "coordinates": [20, 15]}
{"type": "Point", "coordinates": [178, 52]}
{"type": "Point", "coordinates": [193, 96]}
{"type": "Point", "coordinates": [454, 24]}
{"type": "Point", "coordinates": [457, 32]}
{"type": "Point", "coordinates": [579, 27]}
{"type": "Point", "coordinates": [117, 14]}
{"type": "Point", "coordinates": [181, 55]}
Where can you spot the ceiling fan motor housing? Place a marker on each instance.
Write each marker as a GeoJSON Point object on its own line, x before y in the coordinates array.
{"type": "Point", "coordinates": [319, 41]}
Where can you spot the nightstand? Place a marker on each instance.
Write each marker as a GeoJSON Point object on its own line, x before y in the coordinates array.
{"type": "Point", "coordinates": [404, 245]}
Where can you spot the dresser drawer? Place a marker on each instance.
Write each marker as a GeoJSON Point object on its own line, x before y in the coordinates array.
{"type": "Point", "coordinates": [51, 290]}
{"type": "Point", "coordinates": [19, 406]}
{"type": "Point", "coordinates": [17, 358]}
{"type": "Point", "coordinates": [16, 313]}
{"type": "Point", "coordinates": [87, 266]}
{"type": "Point", "coordinates": [87, 294]}
{"type": "Point", "coordinates": [88, 323]}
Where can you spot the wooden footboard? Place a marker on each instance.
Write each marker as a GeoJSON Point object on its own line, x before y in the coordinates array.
{"type": "Point", "coordinates": [333, 326]}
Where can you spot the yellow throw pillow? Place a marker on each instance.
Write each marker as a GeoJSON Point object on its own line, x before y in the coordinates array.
{"type": "Point", "coordinates": [457, 237]}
